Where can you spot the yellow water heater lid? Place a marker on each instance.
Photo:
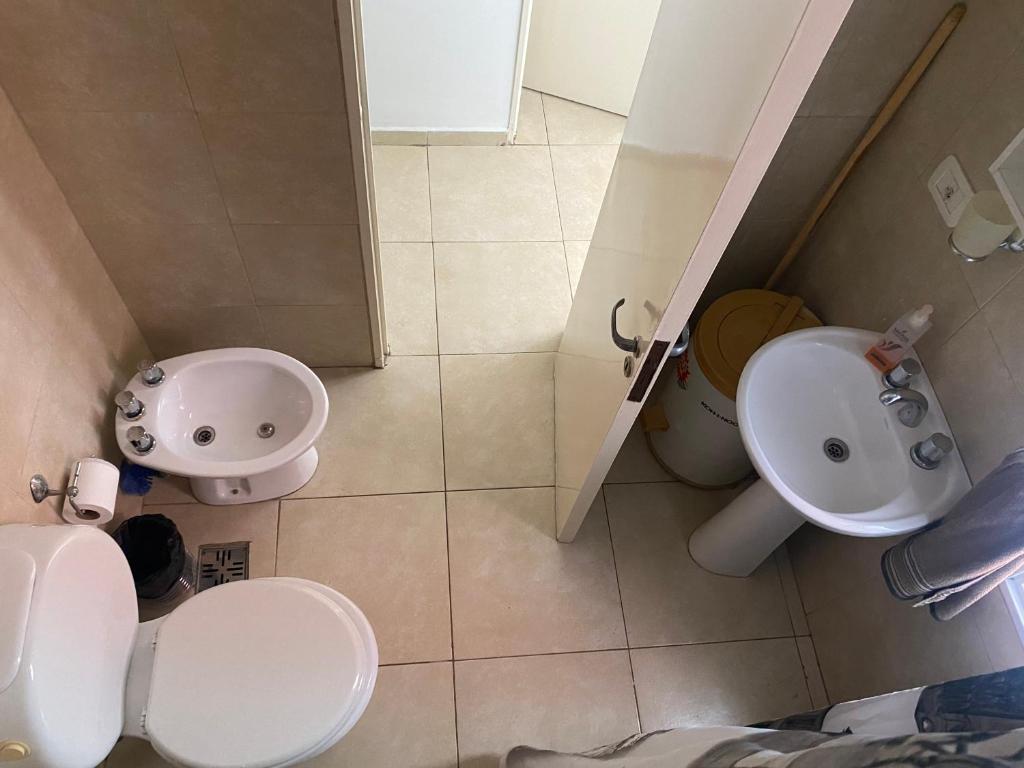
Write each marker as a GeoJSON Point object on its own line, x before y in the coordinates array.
{"type": "Point", "coordinates": [737, 325]}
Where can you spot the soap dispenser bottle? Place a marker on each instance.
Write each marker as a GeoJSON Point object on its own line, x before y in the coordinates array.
{"type": "Point", "coordinates": [897, 341]}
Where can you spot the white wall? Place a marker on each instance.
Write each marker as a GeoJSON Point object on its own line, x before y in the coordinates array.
{"type": "Point", "coordinates": [440, 65]}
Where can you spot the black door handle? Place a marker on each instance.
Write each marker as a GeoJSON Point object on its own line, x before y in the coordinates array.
{"type": "Point", "coordinates": [627, 345]}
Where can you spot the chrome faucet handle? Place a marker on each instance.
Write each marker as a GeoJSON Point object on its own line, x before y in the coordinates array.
{"type": "Point", "coordinates": [130, 406]}
{"type": "Point", "coordinates": [141, 440]}
{"type": "Point", "coordinates": [928, 454]}
{"type": "Point", "coordinates": [913, 406]}
{"type": "Point", "coordinates": [150, 373]}
{"type": "Point", "coordinates": [901, 375]}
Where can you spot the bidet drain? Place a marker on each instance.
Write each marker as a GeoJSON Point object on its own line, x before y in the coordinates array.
{"type": "Point", "coordinates": [204, 435]}
{"type": "Point", "coordinates": [836, 450]}
{"type": "Point", "coordinates": [265, 430]}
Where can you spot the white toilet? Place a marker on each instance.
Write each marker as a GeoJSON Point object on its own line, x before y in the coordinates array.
{"type": "Point", "coordinates": [262, 674]}
{"type": "Point", "coordinates": [240, 423]}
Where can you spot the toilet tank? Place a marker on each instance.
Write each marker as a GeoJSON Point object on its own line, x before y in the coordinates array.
{"type": "Point", "coordinates": [67, 630]}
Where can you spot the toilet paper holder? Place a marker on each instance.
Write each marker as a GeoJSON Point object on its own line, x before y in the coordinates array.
{"type": "Point", "coordinates": [41, 490]}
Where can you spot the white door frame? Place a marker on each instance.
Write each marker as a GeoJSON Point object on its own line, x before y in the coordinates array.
{"type": "Point", "coordinates": [517, 80]}
{"type": "Point", "coordinates": [350, 39]}
{"type": "Point", "coordinates": [810, 43]}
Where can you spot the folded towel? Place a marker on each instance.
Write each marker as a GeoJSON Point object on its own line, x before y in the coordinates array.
{"type": "Point", "coordinates": [959, 559]}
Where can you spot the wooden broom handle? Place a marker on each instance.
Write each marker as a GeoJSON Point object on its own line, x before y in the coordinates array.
{"type": "Point", "coordinates": [895, 101]}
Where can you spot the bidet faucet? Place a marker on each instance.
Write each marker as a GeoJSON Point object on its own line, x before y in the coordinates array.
{"type": "Point", "coordinates": [913, 406]}
{"type": "Point", "coordinates": [142, 442]}
{"type": "Point", "coordinates": [150, 373]}
{"type": "Point", "coordinates": [130, 406]}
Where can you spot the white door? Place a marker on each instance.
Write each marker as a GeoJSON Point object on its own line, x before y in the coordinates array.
{"type": "Point", "coordinates": [590, 51]}
{"type": "Point", "coordinates": [720, 85]}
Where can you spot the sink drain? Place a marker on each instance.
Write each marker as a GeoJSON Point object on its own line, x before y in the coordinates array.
{"type": "Point", "coordinates": [204, 435]}
{"type": "Point", "coordinates": [265, 430]}
{"type": "Point", "coordinates": [836, 450]}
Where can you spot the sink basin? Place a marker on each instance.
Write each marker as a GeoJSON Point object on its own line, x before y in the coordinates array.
{"type": "Point", "coordinates": [827, 451]}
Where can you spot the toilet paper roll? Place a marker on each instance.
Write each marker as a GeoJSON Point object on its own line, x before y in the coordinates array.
{"type": "Point", "coordinates": [96, 481]}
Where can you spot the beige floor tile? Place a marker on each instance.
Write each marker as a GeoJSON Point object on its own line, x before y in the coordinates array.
{"type": "Point", "coordinates": [170, 489]}
{"type": "Point", "coordinates": [498, 420]}
{"type": "Point", "coordinates": [201, 524]}
{"type": "Point", "coordinates": [569, 702]}
{"type": "Point", "coordinates": [516, 590]}
{"type": "Point", "coordinates": [388, 554]}
{"type": "Point", "coordinates": [634, 463]}
{"type": "Point", "coordinates": [575, 256]}
{"type": "Point", "coordinates": [383, 434]}
{"type": "Point", "coordinates": [410, 723]}
{"type": "Point", "coordinates": [531, 129]}
{"type": "Point", "coordinates": [501, 297]}
{"type": "Point", "coordinates": [581, 178]}
{"type": "Point", "coordinates": [492, 194]}
{"type": "Point", "coordinates": [812, 672]}
{"type": "Point", "coordinates": [668, 598]}
{"type": "Point", "coordinates": [789, 587]}
{"type": "Point", "coordinates": [870, 643]}
{"type": "Point", "coordinates": [401, 190]}
{"type": "Point", "coordinates": [718, 683]}
{"type": "Point", "coordinates": [408, 270]}
{"type": "Point", "coordinates": [134, 753]}
{"type": "Point", "coordinates": [569, 122]}
{"type": "Point", "coordinates": [319, 335]}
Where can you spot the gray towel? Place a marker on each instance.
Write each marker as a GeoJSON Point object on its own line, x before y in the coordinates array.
{"type": "Point", "coordinates": [959, 559]}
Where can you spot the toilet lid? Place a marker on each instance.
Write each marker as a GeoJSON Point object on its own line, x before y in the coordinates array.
{"type": "Point", "coordinates": [258, 673]}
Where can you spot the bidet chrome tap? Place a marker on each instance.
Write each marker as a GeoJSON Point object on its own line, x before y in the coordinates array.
{"type": "Point", "coordinates": [928, 454]}
{"type": "Point", "coordinates": [130, 406]}
{"type": "Point", "coordinates": [150, 373]}
{"type": "Point", "coordinates": [142, 442]}
{"type": "Point", "coordinates": [913, 406]}
{"type": "Point", "coordinates": [900, 376]}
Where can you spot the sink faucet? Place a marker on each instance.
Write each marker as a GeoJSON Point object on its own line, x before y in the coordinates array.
{"type": "Point", "coordinates": [912, 405]}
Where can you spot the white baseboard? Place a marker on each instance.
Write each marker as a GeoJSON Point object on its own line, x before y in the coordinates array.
{"type": "Point", "coordinates": [439, 138]}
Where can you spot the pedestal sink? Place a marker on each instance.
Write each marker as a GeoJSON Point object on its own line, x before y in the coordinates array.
{"type": "Point", "coordinates": [827, 452]}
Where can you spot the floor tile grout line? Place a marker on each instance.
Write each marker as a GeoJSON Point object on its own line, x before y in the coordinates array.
{"type": "Point", "coordinates": [622, 610]}
{"type": "Point", "coordinates": [554, 185]}
{"type": "Point", "coordinates": [613, 649]}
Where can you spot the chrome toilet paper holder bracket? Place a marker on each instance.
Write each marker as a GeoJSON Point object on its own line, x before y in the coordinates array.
{"type": "Point", "coordinates": [41, 490]}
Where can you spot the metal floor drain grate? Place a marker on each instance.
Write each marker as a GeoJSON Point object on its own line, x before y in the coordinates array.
{"type": "Point", "coordinates": [221, 563]}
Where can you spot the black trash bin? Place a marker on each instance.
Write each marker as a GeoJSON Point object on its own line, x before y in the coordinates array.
{"type": "Point", "coordinates": [161, 566]}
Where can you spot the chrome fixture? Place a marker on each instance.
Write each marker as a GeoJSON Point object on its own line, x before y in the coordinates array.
{"type": "Point", "coordinates": [265, 430]}
{"type": "Point", "coordinates": [900, 376]}
{"type": "Point", "coordinates": [41, 490]}
{"type": "Point", "coordinates": [836, 450]}
{"type": "Point", "coordinates": [130, 406]}
{"type": "Point", "coordinates": [682, 343]}
{"type": "Point", "coordinates": [912, 405]}
{"type": "Point", "coordinates": [627, 345]}
{"type": "Point", "coordinates": [928, 454]}
{"type": "Point", "coordinates": [142, 442]}
{"type": "Point", "coordinates": [1014, 243]}
{"type": "Point", "coordinates": [204, 435]}
{"type": "Point", "coordinates": [150, 373]}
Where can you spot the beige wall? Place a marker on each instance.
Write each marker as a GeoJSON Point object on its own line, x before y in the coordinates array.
{"type": "Point", "coordinates": [203, 146]}
{"type": "Point", "coordinates": [67, 341]}
{"type": "Point", "coordinates": [880, 250]}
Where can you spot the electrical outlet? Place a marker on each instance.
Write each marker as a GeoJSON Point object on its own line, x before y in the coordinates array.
{"type": "Point", "coordinates": [950, 190]}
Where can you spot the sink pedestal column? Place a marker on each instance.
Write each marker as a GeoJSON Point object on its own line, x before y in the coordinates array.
{"type": "Point", "coordinates": [745, 533]}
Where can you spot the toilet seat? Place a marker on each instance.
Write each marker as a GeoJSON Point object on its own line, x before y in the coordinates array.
{"type": "Point", "coordinates": [263, 674]}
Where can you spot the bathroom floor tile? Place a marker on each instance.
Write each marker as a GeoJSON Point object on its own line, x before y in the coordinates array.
{"type": "Point", "coordinates": [388, 554]}
{"type": "Point", "coordinates": [401, 191]}
{"type": "Point", "coordinates": [581, 178]}
{"type": "Point", "coordinates": [317, 336]}
{"type": "Point", "coordinates": [575, 256]}
{"type": "Point", "coordinates": [383, 433]}
{"type": "Point", "coordinates": [408, 273]}
{"type": "Point", "coordinates": [718, 683]}
{"type": "Point", "coordinates": [134, 753]}
{"type": "Point", "coordinates": [492, 194]}
{"type": "Point", "coordinates": [666, 597]}
{"type": "Point", "coordinates": [201, 524]}
{"type": "Point", "coordinates": [531, 129]}
{"type": "Point", "coordinates": [569, 122]}
{"type": "Point", "coordinates": [170, 489]}
{"type": "Point", "coordinates": [812, 672]}
{"type": "Point", "coordinates": [501, 297]}
{"type": "Point", "coordinates": [516, 590]}
{"type": "Point", "coordinates": [498, 420]}
{"type": "Point", "coordinates": [410, 723]}
{"type": "Point", "coordinates": [567, 702]}
{"type": "Point", "coordinates": [634, 462]}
